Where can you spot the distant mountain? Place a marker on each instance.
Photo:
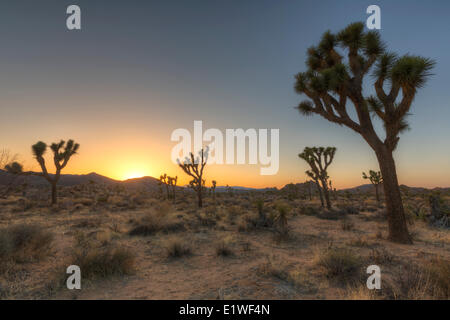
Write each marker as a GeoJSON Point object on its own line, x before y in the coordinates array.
{"type": "Point", "coordinates": [242, 189]}
{"type": "Point", "coordinates": [149, 183]}
{"type": "Point", "coordinates": [370, 188]}
{"type": "Point", "coordinates": [364, 188]}
{"type": "Point", "coordinates": [65, 180]}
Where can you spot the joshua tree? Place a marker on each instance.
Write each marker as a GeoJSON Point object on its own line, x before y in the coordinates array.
{"type": "Point", "coordinates": [213, 189]}
{"type": "Point", "coordinates": [164, 181]}
{"type": "Point", "coordinates": [194, 168]}
{"type": "Point", "coordinates": [319, 160]}
{"type": "Point", "coordinates": [308, 186]}
{"type": "Point", "coordinates": [333, 81]}
{"type": "Point", "coordinates": [376, 179]}
{"type": "Point", "coordinates": [62, 152]}
{"type": "Point", "coordinates": [173, 184]}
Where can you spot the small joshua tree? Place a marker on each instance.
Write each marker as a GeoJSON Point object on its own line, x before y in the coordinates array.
{"type": "Point", "coordinates": [213, 189]}
{"type": "Point", "coordinates": [163, 180]}
{"type": "Point", "coordinates": [319, 159]}
{"type": "Point", "coordinates": [62, 152]}
{"type": "Point", "coordinates": [172, 182]}
{"type": "Point", "coordinates": [376, 179]}
{"type": "Point", "coordinates": [194, 168]}
{"type": "Point", "coordinates": [333, 84]}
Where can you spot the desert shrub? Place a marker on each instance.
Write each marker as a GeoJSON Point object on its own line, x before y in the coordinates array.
{"type": "Point", "coordinates": [103, 262]}
{"type": "Point", "coordinates": [310, 211]}
{"type": "Point", "coordinates": [153, 223]}
{"type": "Point", "coordinates": [233, 212]}
{"type": "Point", "coordinates": [177, 247]}
{"type": "Point", "coordinates": [380, 256]}
{"type": "Point", "coordinates": [273, 268]}
{"type": "Point", "coordinates": [224, 248]}
{"type": "Point", "coordinates": [439, 273]}
{"type": "Point", "coordinates": [331, 215]}
{"type": "Point", "coordinates": [411, 283]}
{"type": "Point", "coordinates": [207, 218]}
{"type": "Point", "coordinates": [360, 292]}
{"type": "Point", "coordinates": [340, 264]}
{"type": "Point", "coordinates": [103, 198]}
{"type": "Point", "coordinates": [163, 208]}
{"type": "Point", "coordinates": [349, 210]}
{"type": "Point", "coordinates": [298, 278]}
{"type": "Point", "coordinates": [260, 207]}
{"type": "Point", "coordinates": [347, 225]}
{"type": "Point", "coordinates": [245, 224]}
{"type": "Point", "coordinates": [280, 220]}
{"type": "Point", "coordinates": [98, 259]}
{"type": "Point", "coordinates": [88, 223]}
{"type": "Point", "coordinates": [21, 243]}
{"type": "Point", "coordinates": [359, 242]}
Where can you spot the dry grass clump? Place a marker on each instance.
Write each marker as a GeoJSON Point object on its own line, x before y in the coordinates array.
{"type": "Point", "coordinates": [381, 256]}
{"type": "Point", "coordinates": [156, 222]}
{"type": "Point", "coordinates": [439, 272]}
{"type": "Point", "coordinates": [418, 282]}
{"type": "Point", "coordinates": [297, 278]}
{"type": "Point", "coordinates": [101, 261]}
{"type": "Point", "coordinates": [224, 247]}
{"type": "Point", "coordinates": [274, 268]}
{"type": "Point", "coordinates": [280, 221]}
{"type": "Point", "coordinates": [347, 225]}
{"type": "Point", "coordinates": [177, 247]}
{"type": "Point", "coordinates": [23, 243]}
{"type": "Point", "coordinates": [360, 242]}
{"type": "Point", "coordinates": [360, 292]}
{"type": "Point", "coordinates": [340, 264]}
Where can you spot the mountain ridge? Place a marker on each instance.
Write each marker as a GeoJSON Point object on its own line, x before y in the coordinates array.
{"type": "Point", "coordinates": [148, 181]}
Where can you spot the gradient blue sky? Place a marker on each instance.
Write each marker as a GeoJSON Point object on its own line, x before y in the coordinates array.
{"type": "Point", "coordinates": [140, 69]}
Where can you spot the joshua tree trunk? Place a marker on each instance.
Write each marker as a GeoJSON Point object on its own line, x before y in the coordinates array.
{"type": "Point", "coordinates": [200, 197]}
{"type": "Point", "coordinates": [377, 195]}
{"type": "Point", "coordinates": [398, 230]}
{"type": "Point", "coordinates": [54, 193]}
{"type": "Point", "coordinates": [326, 194]}
{"type": "Point", "coordinates": [320, 193]}
{"type": "Point", "coordinates": [309, 192]}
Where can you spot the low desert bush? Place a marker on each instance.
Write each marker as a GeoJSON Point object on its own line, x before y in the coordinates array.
{"type": "Point", "coordinates": [100, 260]}
{"type": "Point", "coordinates": [22, 243]}
{"type": "Point", "coordinates": [153, 223]}
{"type": "Point", "coordinates": [340, 264]}
{"type": "Point", "coordinates": [308, 210]}
{"type": "Point", "coordinates": [177, 247]}
{"type": "Point", "coordinates": [224, 247]}
{"type": "Point", "coordinates": [347, 225]}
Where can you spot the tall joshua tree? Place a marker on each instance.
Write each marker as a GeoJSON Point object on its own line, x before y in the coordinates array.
{"type": "Point", "coordinates": [194, 168]}
{"type": "Point", "coordinates": [319, 159]}
{"type": "Point", "coordinates": [332, 82]}
{"type": "Point", "coordinates": [62, 152]}
{"type": "Point", "coordinates": [376, 179]}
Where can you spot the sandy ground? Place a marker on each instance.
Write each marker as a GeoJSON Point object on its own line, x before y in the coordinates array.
{"type": "Point", "coordinates": [203, 274]}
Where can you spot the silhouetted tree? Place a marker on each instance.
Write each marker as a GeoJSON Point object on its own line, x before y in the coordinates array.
{"type": "Point", "coordinates": [173, 185]}
{"type": "Point", "coordinates": [62, 152]}
{"type": "Point", "coordinates": [213, 189]}
{"type": "Point", "coordinates": [331, 80]}
{"type": "Point", "coordinates": [376, 179]}
{"type": "Point", "coordinates": [319, 159]}
{"type": "Point", "coordinates": [194, 168]}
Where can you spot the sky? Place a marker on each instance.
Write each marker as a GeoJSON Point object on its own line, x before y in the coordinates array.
{"type": "Point", "coordinates": [138, 70]}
